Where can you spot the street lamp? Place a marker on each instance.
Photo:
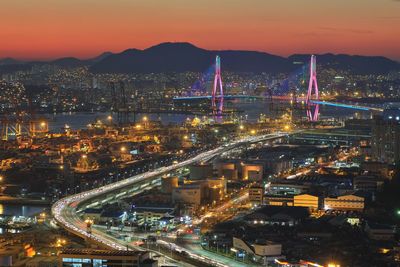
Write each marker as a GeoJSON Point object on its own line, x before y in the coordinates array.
{"type": "Point", "coordinates": [89, 223]}
{"type": "Point", "coordinates": [110, 118]}
{"type": "Point", "coordinates": [123, 149]}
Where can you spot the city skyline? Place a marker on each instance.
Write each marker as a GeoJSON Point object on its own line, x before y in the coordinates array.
{"type": "Point", "coordinates": [224, 133]}
{"type": "Point", "coordinates": [49, 30]}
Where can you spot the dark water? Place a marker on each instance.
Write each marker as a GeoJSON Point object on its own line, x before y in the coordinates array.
{"type": "Point", "coordinates": [251, 111]}
{"type": "Point", "coordinates": [254, 109]}
{"type": "Point", "coordinates": [20, 210]}
{"type": "Point", "coordinates": [81, 120]}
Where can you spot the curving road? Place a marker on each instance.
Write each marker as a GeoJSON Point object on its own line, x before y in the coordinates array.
{"type": "Point", "coordinates": [65, 210]}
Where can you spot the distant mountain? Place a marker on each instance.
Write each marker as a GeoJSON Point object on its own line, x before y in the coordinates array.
{"type": "Point", "coordinates": [180, 57]}
{"type": "Point", "coordinates": [10, 61]}
{"type": "Point", "coordinates": [69, 62]}
{"type": "Point", "coordinates": [100, 57]}
{"type": "Point", "coordinates": [177, 57]}
{"type": "Point", "coordinates": [354, 64]}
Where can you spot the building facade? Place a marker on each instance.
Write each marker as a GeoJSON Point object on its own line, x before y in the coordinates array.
{"type": "Point", "coordinates": [97, 258]}
{"type": "Point", "coordinates": [256, 195]}
{"type": "Point", "coordinates": [308, 201]}
{"type": "Point", "coordinates": [385, 143]}
{"type": "Point", "coordinates": [346, 202]}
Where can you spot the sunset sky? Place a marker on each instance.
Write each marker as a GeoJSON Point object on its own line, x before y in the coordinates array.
{"type": "Point", "coordinates": [44, 29]}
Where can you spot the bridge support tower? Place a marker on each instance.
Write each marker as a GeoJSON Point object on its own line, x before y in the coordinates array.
{"type": "Point", "coordinates": [217, 106]}
{"type": "Point", "coordinates": [312, 94]}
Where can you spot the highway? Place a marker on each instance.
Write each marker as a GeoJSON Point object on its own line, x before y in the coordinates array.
{"type": "Point", "coordinates": [65, 210]}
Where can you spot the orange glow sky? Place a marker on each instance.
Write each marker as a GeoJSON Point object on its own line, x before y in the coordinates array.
{"type": "Point", "coordinates": [43, 29]}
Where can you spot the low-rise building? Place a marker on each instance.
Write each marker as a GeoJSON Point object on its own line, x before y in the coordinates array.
{"type": "Point", "coordinates": [345, 202]}
{"type": "Point", "coordinates": [187, 194]}
{"type": "Point", "coordinates": [252, 171]}
{"type": "Point", "coordinates": [273, 215]}
{"type": "Point", "coordinates": [201, 171]}
{"type": "Point", "coordinates": [367, 183]}
{"type": "Point", "coordinates": [308, 201]}
{"type": "Point", "coordinates": [256, 194]}
{"type": "Point", "coordinates": [151, 215]}
{"type": "Point", "coordinates": [278, 200]}
{"type": "Point", "coordinates": [168, 183]}
{"type": "Point", "coordinates": [278, 165]}
{"type": "Point", "coordinates": [199, 192]}
{"type": "Point", "coordinates": [258, 248]}
{"type": "Point", "coordinates": [376, 168]}
{"type": "Point", "coordinates": [227, 170]}
{"type": "Point", "coordinates": [288, 188]}
{"type": "Point", "coordinates": [97, 257]}
{"type": "Point", "coordinates": [377, 231]}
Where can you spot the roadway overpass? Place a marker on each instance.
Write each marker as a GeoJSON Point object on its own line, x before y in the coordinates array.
{"type": "Point", "coordinates": [65, 211]}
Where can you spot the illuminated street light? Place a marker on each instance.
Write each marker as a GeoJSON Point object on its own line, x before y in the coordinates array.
{"type": "Point", "coordinates": [145, 118]}
{"type": "Point", "coordinates": [109, 118]}
{"type": "Point", "coordinates": [185, 137]}
{"type": "Point", "coordinates": [1, 178]}
{"type": "Point", "coordinates": [123, 149]}
{"type": "Point", "coordinates": [43, 124]}
{"type": "Point", "coordinates": [89, 223]}
{"type": "Point", "coordinates": [241, 127]}
{"type": "Point", "coordinates": [138, 126]}
{"type": "Point", "coordinates": [253, 132]}
{"type": "Point", "coordinates": [84, 156]}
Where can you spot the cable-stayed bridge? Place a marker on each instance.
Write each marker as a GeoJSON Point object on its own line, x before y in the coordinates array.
{"type": "Point", "coordinates": [312, 99]}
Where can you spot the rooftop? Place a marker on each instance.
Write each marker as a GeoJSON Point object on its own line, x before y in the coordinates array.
{"type": "Point", "coordinates": [101, 252]}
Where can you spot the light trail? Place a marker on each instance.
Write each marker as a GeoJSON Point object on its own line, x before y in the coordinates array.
{"type": "Point", "coordinates": [217, 96]}
{"type": "Point", "coordinates": [325, 103]}
{"type": "Point", "coordinates": [65, 210]}
{"type": "Point", "coordinates": [340, 105]}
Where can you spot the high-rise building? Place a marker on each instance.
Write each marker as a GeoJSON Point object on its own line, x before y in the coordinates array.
{"type": "Point", "coordinates": [386, 139]}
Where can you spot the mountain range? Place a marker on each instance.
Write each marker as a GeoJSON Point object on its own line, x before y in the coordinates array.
{"type": "Point", "coordinates": [180, 57]}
